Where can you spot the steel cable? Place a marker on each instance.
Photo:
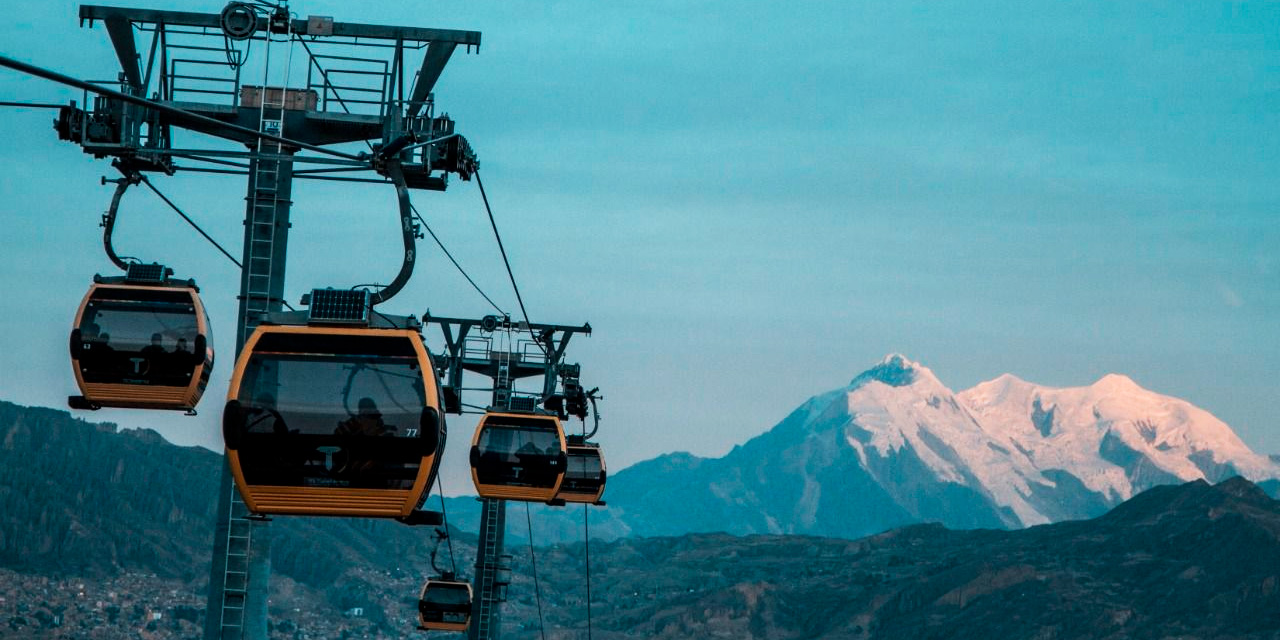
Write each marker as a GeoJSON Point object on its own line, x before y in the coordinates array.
{"type": "Point", "coordinates": [453, 564]}
{"type": "Point", "coordinates": [455, 262]}
{"type": "Point", "coordinates": [533, 561]}
{"type": "Point", "coordinates": [519, 299]}
{"type": "Point", "coordinates": [191, 222]}
{"type": "Point", "coordinates": [586, 533]}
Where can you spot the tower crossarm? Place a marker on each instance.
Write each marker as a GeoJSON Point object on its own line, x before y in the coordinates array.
{"type": "Point", "coordinates": [553, 339]}
{"type": "Point", "coordinates": [410, 35]}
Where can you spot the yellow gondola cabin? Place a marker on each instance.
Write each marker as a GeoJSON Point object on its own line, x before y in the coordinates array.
{"type": "Point", "coordinates": [518, 456]}
{"type": "Point", "coordinates": [444, 605]}
{"type": "Point", "coordinates": [341, 421]}
{"type": "Point", "coordinates": [141, 343]}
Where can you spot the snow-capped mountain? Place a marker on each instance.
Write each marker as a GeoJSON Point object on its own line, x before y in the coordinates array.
{"type": "Point", "coordinates": [899, 406]}
{"type": "Point", "coordinates": [1040, 454]}
{"type": "Point", "coordinates": [896, 446]}
{"type": "Point", "coordinates": [1113, 436]}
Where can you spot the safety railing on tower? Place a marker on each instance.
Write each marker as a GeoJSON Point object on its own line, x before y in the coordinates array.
{"type": "Point", "coordinates": [349, 84]}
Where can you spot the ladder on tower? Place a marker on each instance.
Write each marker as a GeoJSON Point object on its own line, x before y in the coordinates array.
{"type": "Point", "coordinates": [488, 565]}
{"type": "Point", "coordinates": [236, 579]}
{"type": "Point", "coordinates": [502, 383]}
{"type": "Point", "coordinates": [265, 190]}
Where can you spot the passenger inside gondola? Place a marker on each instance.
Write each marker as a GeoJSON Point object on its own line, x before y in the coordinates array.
{"type": "Point", "coordinates": [367, 421]}
{"type": "Point", "coordinates": [96, 350]}
{"type": "Point", "coordinates": [263, 416]}
{"type": "Point", "coordinates": [153, 360]}
{"type": "Point", "coordinates": [156, 348]}
{"type": "Point", "coordinates": [364, 471]}
{"type": "Point", "coordinates": [182, 358]}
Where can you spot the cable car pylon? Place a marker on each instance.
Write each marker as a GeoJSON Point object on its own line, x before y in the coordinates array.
{"type": "Point", "coordinates": [469, 346]}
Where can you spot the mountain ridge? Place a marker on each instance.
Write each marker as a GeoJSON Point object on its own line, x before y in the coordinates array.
{"type": "Point", "coordinates": [897, 446]}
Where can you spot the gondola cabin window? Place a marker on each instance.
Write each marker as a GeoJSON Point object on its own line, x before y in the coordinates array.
{"type": "Point", "coordinates": [519, 451]}
{"type": "Point", "coordinates": [583, 471]}
{"type": "Point", "coordinates": [148, 342]}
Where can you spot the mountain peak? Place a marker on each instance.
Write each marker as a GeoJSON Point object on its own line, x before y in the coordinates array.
{"type": "Point", "coordinates": [1115, 381]}
{"type": "Point", "coordinates": [1241, 488]}
{"type": "Point", "coordinates": [896, 370]}
{"type": "Point", "coordinates": [1003, 384]}
{"type": "Point", "coordinates": [998, 390]}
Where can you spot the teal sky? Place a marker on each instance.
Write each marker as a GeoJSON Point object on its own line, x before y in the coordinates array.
{"type": "Point", "coordinates": [753, 202]}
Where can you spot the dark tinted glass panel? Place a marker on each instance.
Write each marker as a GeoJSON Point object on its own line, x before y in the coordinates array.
{"type": "Point", "coordinates": [582, 466]}
{"type": "Point", "coordinates": [138, 343]}
{"type": "Point", "coordinates": [144, 294]}
{"type": "Point", "coordinates": [299, 460]}
{"type": "Point", "coordinates": [446, 595]}
{"type": "Point", "coordinates": [319, 343]}
{"type": "Point", "coordinates": [518, 456]}
{"type": "Point", "coordinates": [544, 423]}
{"type": "Point", "coordinates": [335, 395]}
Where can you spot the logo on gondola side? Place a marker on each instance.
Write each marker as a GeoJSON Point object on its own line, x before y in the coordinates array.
{"type": "Point", "coordinates": [328, 456]}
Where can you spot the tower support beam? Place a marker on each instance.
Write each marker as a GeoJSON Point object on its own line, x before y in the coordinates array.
{"type": "Point", "coordinates": [266, 235]}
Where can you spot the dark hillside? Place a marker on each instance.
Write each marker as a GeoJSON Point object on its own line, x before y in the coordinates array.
{"type": "Point", "coordinates": [92, 501]}
{"type": "Point", "coordinates": [79, 497]}
{"type": "Point", "coordinates": [1189, 561]}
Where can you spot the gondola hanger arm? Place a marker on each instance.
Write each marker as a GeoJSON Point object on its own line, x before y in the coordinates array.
{"type": "Point", "coordinates": [128, 179]}
{"type": "Point", "coordinates": [408, 232]}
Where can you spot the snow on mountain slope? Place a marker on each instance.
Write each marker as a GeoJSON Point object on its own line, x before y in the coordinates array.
{"type": "Point", "coordinates": [901, 404]}
{"type": "Point", "coordinates": [899, 443]}
{"type": "Point", "coordinates": [1114, 436]}
{"type": "Point", "coordinates": [1034, 454]}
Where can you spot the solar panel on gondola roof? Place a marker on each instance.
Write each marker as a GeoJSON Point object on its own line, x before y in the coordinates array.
{"type": "Point", "coordinates": [523, 404]}
{"type": "Point", "coordinates": [139, 272]}
{"type": "Point", "coordinates": [339, 305]}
